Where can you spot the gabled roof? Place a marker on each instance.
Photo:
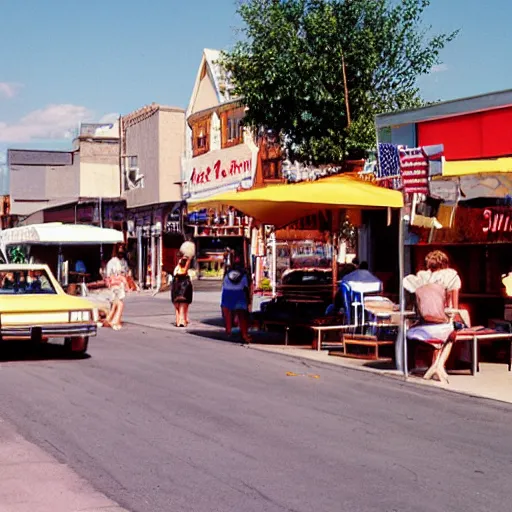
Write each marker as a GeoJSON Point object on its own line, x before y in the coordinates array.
{"type": "Point", "coordinates": [220, 78]}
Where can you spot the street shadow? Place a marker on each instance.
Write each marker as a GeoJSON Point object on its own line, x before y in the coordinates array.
{"type": "Point", "coordinates": [16, 351]}
{"type": "Point", "coordinates": [258, 337]}
{"type": "Point", "coordinates": [214, 322]}
{"type": "Point", "coordinates": [381, 364]}
{"type": "Point", "coordinates": [215, 335]}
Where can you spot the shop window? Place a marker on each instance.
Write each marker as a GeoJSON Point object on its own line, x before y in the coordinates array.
{"type": "Point", "coordinates": [232, 127]}
{"type": "Point", "coordinates": [201, 137]}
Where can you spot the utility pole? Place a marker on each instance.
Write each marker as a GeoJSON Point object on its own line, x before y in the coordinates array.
{"type": "Point", "coordinates": [345, 85]}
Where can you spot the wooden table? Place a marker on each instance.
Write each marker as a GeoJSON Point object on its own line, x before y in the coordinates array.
{"type": "Point", "coordinates": [485, 335]}
{"type": "Point", "coordinates": [473, 335]}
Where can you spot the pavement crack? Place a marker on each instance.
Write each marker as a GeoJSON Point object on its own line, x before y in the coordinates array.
{"type": "Point", "coordinates": [409, 470]}
{"type": "Point", "coordinates": [267, 498]}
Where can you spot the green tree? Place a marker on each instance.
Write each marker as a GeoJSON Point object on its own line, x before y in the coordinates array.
{"type": "Point", "coordinates": [317, 71]}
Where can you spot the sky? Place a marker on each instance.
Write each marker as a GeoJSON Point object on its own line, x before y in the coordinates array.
{"type": "Point", "coordinates": [66, 61]}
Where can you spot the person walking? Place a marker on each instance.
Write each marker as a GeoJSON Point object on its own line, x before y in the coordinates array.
{"type": "Point", "coordinates": [117, 284]}
{"type": "Point", "coordinates": [182, 291]}
{"type": "Point", "coordinates": [235, 299]}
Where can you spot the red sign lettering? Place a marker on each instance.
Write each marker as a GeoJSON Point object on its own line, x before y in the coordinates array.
{"type": "Point", "coordinates": [497, 222]}
{"type": "Point", "coordinates": [219, 173]}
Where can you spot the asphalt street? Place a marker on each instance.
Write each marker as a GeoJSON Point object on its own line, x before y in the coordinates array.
{"type": "Point", "coordinates": [165, 420]}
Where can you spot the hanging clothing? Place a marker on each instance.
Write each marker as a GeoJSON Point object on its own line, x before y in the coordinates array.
{"type": "Point", "coordinates": [388, 161]}
{"type": "Point", "coordinates": [414, 169]}
{"type": "Point", "coordinates": [435, 156]}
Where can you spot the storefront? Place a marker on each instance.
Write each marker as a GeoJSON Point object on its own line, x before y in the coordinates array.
{"type": "Point", "coordinates": [452, 162]}
{"type": "Point", "coordinates": [480, 248]}
{"type": "Point", "coordinates": [216, 231]}
{"type": "Point", "coordinates": [154, 236]}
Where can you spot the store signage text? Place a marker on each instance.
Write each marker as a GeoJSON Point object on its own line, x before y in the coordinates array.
{"type": "Point", "coordinates": [497, 221]}
{"type": "Point", "coordinates": [218, 173]}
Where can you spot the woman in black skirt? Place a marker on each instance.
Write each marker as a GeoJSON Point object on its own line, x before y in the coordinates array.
{"type": "Point", "coordinates": [182, 291]}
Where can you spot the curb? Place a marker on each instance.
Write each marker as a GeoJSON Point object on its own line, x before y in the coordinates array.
{"type": "Point", "coordinates": [416, 382]}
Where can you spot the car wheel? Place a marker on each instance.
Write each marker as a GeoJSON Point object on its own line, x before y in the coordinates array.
{"type": "Point", "coordinates": [77, 346]}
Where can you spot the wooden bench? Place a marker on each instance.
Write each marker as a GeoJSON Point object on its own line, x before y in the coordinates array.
{"type": "Point", "coordinates": [362, 341]}
{"type": "Point", "coordinates": [321, 329]}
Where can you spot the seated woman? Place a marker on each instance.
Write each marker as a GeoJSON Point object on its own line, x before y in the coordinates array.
{"type": "Point", "coordinates": [436, 289]}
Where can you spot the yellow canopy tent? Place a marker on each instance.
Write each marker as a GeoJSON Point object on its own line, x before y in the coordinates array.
{"type": "Point", "coordinates": [280, 205]}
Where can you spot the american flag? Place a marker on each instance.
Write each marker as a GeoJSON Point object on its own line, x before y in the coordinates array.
{"type": "Point", "coordinates": [414, 169]}
{"type": "Point", "coordinates": [389, 161]}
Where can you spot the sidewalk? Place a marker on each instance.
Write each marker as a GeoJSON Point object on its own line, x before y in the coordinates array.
{"type": "Point", "coordinates": [494, 381]}
{"type": "Point", "coordinates": [33, 481]}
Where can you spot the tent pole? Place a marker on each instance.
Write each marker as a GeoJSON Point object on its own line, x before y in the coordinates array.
{"type": "Point", "coordinates": [335, 246]}
{"type": "Point", "coordinates": [273, 242]}
{"type": "Point", "coordinates": [402, 339]}
{"type": "Point", "coordinates": [335, 229]}
{"type": "Point", "coordinates": [59, 265]}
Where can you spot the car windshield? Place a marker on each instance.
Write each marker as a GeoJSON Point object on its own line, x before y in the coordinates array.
{"type": "Point", "coordinates": [25, 282]}
{"type": "Point", "coordinates": [307, 277]}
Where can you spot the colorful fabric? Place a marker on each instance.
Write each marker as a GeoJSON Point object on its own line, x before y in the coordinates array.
{"type": "Point", "coordinates": [389, 161]}
{"type": "Point", "coordinates": [414, 168]}
{"type": "Point", "coordinates": [435, 156]}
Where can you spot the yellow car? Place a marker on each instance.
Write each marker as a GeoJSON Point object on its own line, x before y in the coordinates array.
{"type": "Point", "coordinates": [33, 306]}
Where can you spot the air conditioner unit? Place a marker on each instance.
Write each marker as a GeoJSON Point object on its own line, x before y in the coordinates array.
{"type": "Point", "coordinates": [134, 178]}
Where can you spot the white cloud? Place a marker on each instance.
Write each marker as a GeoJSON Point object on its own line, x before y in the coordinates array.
{"type": "Point", "coordinates": [439, 68]}
{"type": "Point", "coordinates": [50, 122]}
{"type": "Point", "coordinates": [111, 117]}
{"type": "Point", "coordinates": [9, 89]}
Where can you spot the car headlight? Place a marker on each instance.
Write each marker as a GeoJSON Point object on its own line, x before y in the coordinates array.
{"type": "Point", "coordinates": [79, 316]}
{"type": "Point", "coordinates": [95, 315]}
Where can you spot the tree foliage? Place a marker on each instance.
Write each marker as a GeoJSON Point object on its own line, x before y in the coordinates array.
{"type": "Point", "coordinates": [288, 67]}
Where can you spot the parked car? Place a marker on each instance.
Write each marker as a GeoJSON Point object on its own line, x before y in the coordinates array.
{"type": "Point", "coordinates": [33, 306]}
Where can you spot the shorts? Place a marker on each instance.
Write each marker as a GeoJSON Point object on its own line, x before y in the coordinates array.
{"type": "Point", "coordinates": [234, 300]}
{"type": "Point", "coordinates": [117, 293]}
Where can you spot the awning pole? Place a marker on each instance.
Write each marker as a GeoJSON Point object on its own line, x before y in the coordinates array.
{"type": "Point", "coordinates": [273, 242]}
{"type": "Point", "coordinates": [402, 338]}
{"type": "Point", "coordinates": [334, 263]}
{"type": "Point", "coordinates": [59, 265]}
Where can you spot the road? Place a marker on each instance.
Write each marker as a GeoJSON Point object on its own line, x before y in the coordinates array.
{"type": "Point", "coordinates": [171, 421]}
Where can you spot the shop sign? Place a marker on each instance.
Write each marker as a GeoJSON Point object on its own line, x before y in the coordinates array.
{"type": "Point", "coordinates": [217, 171]}
{"type": "Point", "coordinates": [497, 222]}
{"type": "Point", "coordinates": [474, 225]}
{"type": "Point", "coordinates": [221, 172]}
